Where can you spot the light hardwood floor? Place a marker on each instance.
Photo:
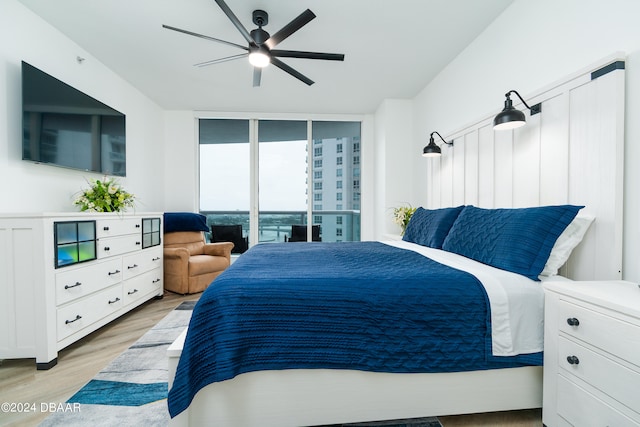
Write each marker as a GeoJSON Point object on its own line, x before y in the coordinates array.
{"type": "Point", "coordinates": [78, 363]}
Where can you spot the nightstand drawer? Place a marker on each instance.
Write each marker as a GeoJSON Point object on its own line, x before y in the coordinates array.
{"type": "Point", "coordinates": [581, 408]}
{"type": "Point", "coordinates": [596, 329]}
{"type": "Point", "coordinates": [608, 376]}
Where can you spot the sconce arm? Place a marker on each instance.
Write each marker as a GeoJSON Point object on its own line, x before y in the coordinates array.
{"type": "Point", "coordinates": [431, 137]}
{"type": "Point", "coordinates": [534, 110]}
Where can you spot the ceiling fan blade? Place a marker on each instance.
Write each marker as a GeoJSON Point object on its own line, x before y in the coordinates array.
{"type": "Point", "coordinates": [202, 36]}
{"type": "Point", "coordinates": [284, 67]}
{"type": "Point", "coordinates": [290, 28]}
{"type": "Point", "coordinates": [257, 75]}
{"type": "Point", "coordinates": [234, 19]}
{"type": "Point", "coordinates": [307, 55]}
{"type": "Point", "coordinates": [219, 60]}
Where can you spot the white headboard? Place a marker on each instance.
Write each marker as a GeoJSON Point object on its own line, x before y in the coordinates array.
{"type": "Point", "coordinates": [571, 152]}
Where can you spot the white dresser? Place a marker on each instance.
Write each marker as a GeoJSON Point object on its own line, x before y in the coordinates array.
{"type": "Point", "coordinates": [592, 354]}
{"type": "Point", "coordinates": [62, 276]}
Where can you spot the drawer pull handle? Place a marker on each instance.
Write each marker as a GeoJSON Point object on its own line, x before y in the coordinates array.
{"type": "Point", "coordinates": [155, 259]}
{"type": "Point", "coordinates": [105, 228]}
{"type": "Point", "coordinates": [137, 225]}
{"type": "Point", "coordinates": [107, 248]}
{"type": "Point", "coordinates": [572, 321]}
{"type": "Point", "coordinates": [132, 292]}
{"type": "Point", "coordinates": [114, 301]}
{"type": "Point", "coordinates": [137, 243]}
{"type": "Point", "coordinates": [111, 273]}
{"type": "Point", "coordinates": [72, 286]}
{"type": "Point", "coordinates": [78, 317]}
{"type": "Point", "coordinates": [155, 281]}
{"type": "Point", "coordinates": [573, 360]}
{"type": "Point", "coordinates": [132, 266]}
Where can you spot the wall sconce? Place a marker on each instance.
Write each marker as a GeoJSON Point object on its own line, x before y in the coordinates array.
{"type": "Point", "coordinates": [433, 150]}
{"type": "Point", "coordinates": [509, 117]}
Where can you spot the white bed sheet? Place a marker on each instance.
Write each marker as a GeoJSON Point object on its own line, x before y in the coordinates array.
{"type": "Point", "coordinates": [517, 302]}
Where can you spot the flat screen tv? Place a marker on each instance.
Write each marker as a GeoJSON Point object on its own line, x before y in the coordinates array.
{"type": "Point", "coordinates": [63, 126]}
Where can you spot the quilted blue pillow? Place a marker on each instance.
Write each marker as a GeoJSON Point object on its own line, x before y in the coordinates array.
{"type": "Point", "coordinates": [516, 240]}
{"type": "Point", "coordinates": [430, 227]}
{"type": "Point", "coordinates": [184, 221]}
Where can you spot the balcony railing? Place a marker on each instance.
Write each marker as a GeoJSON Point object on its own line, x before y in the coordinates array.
{"type": "Point", "coordinates": [273, 226]}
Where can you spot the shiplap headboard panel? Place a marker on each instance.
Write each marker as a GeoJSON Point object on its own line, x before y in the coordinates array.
{"type": "Point", "coordinates": [571, 152]}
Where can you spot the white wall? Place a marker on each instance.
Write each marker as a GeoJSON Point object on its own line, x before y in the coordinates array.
{"type": "Point", "coordinates": [531, 45]}
{"type": "Point", "coordinates": [30, 187]}
{"type": "Point", "coordinates": [393, 182]}
{"type": "Point", "coordinates": [181, 161]}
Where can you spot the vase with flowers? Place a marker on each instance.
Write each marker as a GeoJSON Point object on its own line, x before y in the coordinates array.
{"type": "Point", "coordinates": [402, 215]}
{"type": "Point", "coordinates": [104, 195]}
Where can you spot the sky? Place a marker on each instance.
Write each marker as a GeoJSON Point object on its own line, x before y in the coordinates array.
{"type": "Point", "coordinates": [225, 176]}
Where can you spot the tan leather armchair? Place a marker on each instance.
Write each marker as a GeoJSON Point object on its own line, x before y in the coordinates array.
{"type": "Point", "coordinates": [190, 264]}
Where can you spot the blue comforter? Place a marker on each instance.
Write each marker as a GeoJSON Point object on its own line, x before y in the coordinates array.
{"type": "Point", "coordinates": [360, 306]}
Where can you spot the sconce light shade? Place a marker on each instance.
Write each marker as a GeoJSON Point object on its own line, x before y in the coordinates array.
{"type": "Point", "coordinates": [433, 150]}
{"type": "Point", "coordinates": [510, 117]}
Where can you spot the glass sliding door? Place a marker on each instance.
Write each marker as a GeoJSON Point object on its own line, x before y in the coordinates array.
{"type": "Point", "coordinates": [225, 172]}
{"type": "Point", "coordinates": [275, 178]}
{"type": "Point", "coordinates": [335, 172]}
{"type": "Point", "coordinates": [282, 183]}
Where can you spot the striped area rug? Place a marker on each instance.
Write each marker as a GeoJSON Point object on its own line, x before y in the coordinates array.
{"type": "Point", "coordinates": [131, 390]}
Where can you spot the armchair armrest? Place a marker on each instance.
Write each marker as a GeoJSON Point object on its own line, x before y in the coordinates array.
{"type": "Point", "coordinates": [218, 249]}
{"type": "Point", "coordinates": [176, 255]}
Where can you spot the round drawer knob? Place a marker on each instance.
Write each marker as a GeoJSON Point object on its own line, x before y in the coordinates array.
{"type": "Point", "coordinates": [572, 321]}
{"type": "Point", "coordinates": [573, 360]}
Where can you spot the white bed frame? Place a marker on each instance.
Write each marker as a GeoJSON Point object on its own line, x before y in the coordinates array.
{"type": "Point", "coordinates": [572, 152]}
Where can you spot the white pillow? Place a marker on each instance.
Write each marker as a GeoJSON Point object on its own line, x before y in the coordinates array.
{"type": "Point", "coordinates": [567, 241]}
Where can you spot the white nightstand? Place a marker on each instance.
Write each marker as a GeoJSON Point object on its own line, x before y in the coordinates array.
{"type": "Point", "coordinates": [591, 354]}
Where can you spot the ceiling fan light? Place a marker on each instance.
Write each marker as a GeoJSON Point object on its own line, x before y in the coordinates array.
{"type": "Point", "coordinates": [259, 59]}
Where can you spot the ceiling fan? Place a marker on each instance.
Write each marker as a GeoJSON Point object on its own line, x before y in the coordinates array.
{"type": "Point", "coordinates": [261, 44]}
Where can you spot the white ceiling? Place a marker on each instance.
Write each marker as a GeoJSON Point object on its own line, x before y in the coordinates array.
{"type": "Point", "coordinates": [392, 49]}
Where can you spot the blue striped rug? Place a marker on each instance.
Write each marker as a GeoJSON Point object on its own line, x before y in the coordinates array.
{"type": "Point", "coordinates": [131, 390]}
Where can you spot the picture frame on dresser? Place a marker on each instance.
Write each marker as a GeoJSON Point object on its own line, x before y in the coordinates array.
{"type": "Point", "coordinates": [65, 275]}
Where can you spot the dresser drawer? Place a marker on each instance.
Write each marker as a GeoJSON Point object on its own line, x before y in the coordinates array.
{"type": "Point", "coordinates": [141, 262]}
{"type": "Point", "coordinates": [581, 408]}
{"type": "Point", "coordinates": [82, 313]}
{"type": "Point", "coordinates": [596, 329]}
{"type": "Point", "coordinates": [119, 245]}
{"type": "Point", "coordinates": [83, 281]}
{"type": "Point", "coordinates": [613, 379]}
{"type": "Point", "coordinates": [118, 227]}
{"type": "Point", "coordinates": [140, 286]}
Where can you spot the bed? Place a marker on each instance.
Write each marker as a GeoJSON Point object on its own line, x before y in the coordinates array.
{"type": "Point", "coordinates": [322, 333]}
{"type": "Point", "coordinates": [571, 153]}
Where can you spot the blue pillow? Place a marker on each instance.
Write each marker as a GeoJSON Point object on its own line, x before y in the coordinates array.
{"type": "Point", "coordinates": [430, 227]}
{"type": "Point", "coordinates": [516, 240]}
{"type": "Point", "coordinates": [184, 221]}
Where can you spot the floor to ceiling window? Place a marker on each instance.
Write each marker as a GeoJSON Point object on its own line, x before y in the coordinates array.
{"type": "Point", "coordinates": [271, 175]}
